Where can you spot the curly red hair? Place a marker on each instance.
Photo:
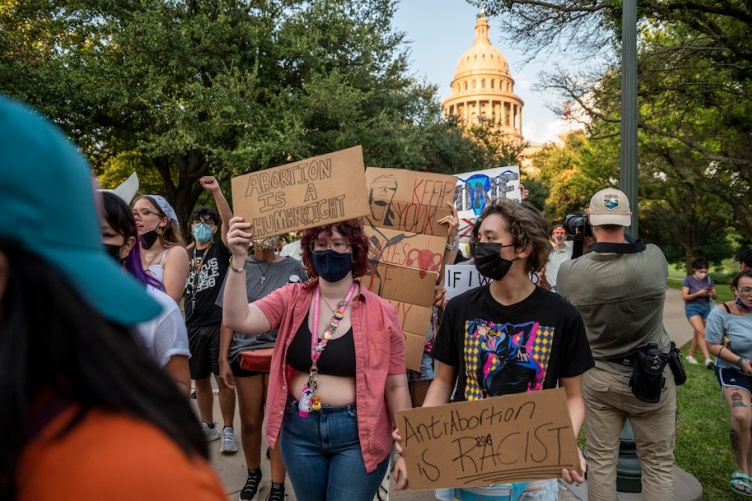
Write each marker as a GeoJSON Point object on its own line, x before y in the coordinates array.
{"type": "Point", "coordinates": [352, 231]}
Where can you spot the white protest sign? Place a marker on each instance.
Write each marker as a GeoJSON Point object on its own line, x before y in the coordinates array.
{"type": "Point", "coordinates": [475, 190]}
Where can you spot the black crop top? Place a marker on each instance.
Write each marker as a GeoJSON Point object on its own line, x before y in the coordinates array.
{"type": "Point", "coordinates": [337, 359]}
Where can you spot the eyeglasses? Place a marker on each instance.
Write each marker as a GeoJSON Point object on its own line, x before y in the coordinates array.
{"type": "Point", "coordinates": [336, 245]}
{"type": "Point", "coordinates": [144, 213]}
{"type": "Point", "coordinates": [208, 222]}
{"type": "Point", "coordinates": [745, 290]}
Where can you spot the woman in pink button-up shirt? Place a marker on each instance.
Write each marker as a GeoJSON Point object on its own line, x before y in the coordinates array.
{"type": "Point", "coordinates": [338, 372]}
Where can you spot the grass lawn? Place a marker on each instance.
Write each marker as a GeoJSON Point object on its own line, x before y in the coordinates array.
{"type": "Point", "coordinates": [702, 438]}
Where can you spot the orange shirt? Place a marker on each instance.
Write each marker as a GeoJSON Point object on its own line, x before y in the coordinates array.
{"type": "Point", "coordinates": [114, 457]}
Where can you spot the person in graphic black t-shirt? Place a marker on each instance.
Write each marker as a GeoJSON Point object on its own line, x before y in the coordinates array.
{"type": "Point", "coordinates": [511, 336]}
{"type": "Point", "coordinates": [203, 318]}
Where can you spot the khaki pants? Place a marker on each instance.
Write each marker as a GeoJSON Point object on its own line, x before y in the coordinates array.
{"type": "Point", "coordinates": [608, 401]}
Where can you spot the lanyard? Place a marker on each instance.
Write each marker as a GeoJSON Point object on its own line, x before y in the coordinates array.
{"type": "Point", "coordinates": [309, 401]}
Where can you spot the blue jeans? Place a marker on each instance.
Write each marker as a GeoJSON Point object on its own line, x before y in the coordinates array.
{"type": "Point", "coordinates": [322, 455]}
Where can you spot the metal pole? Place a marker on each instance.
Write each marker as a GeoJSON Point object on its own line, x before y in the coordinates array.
{"type": "Point", "coordinates": [629, 161]}
{"type": "Point", "coordinates": [628, 475]}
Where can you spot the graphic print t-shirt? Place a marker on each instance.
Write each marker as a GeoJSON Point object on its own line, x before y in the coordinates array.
{"type": "Point", "coordinates": [501, 350]}
{"type": "Point", "coordinates": [205, 283]}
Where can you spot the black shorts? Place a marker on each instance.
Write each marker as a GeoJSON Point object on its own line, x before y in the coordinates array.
{"type": "Point", "coordinates": [204, 345]}
{"type": "Point", "coordinates": [238, 371]}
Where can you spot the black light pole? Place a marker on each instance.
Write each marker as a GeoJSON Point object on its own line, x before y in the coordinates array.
{"type": "Point", "coordinates": [628, 172]}
{"type": "Point", "coordinates": [628, 471]}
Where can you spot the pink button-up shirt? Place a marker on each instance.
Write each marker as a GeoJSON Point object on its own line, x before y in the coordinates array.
{"type": "Point", "coordinates": [379, 352]}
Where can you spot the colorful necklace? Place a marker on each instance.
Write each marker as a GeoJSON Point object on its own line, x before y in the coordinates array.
{"type": "Point", "coordinates": [309, 400]}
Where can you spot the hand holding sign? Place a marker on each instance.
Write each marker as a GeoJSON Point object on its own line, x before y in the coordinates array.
{"type": "Point", "coordinates": [518, 437]}
{"type": "Point", "coordinates": [239, 238]}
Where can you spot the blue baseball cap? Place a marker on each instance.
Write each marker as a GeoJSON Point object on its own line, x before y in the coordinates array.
{"type": "Point", "coordinates": [48, 192]}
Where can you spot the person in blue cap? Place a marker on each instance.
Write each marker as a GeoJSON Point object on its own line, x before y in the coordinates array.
{"type": "Point", "coordinates": [84, 412]}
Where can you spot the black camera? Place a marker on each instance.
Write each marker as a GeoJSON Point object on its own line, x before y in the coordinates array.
{"type": "Point", "coordinates": [577, 226]}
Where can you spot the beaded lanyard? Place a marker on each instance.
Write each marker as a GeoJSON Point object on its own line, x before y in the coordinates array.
{"type": "Point", "coordinates": [309, 401]}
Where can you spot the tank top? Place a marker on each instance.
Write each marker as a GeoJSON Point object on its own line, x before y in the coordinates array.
{"type": "Point", "coordinates": [157, 270]}
{"type": "Point", "coordinates": [338, 358]}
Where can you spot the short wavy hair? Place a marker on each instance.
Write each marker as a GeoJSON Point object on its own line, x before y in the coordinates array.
{"type": "Point", "coordinates": [203, 211]}
{"type": "Point", "coordinates": [352, 230]}
{"type": "Point", "coordinates": [528, 228]}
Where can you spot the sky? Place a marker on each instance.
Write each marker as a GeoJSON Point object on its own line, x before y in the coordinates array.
{"type": "Point", "coordinates": [440, 31]}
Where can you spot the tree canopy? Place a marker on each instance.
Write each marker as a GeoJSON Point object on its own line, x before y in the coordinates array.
{"type": "Point", "coordinates": [179, 89]}
{"type": "Point", "coordinates": [694, 97]}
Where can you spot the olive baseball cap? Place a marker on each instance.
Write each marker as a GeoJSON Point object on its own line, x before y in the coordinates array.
{"type": "Point", "coordinates": [610, 206]}
{"type": "Point", "coordinates": [48, 193]}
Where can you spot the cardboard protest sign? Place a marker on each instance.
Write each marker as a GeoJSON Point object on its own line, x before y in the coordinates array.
{"type": "Point", "coordinates": [414, 320]}
{"type": "Point", "coordinates": [518, 437]}
{"type": "Point", "coordinates": [305, 194]}
{"type": "Point", "coordinates": [411, 250]}
{"type": "Point", "coordinates": [459, 278]}
{"type": "Point", "coordinates": [406, 245]}
{"type": "Point", "coordinates": [412, 290]}
{"type": "Point", "coordinates": [127, 189]}
{"type": "Point", "coordinates": [398, 283]}
{"type": "Point", "coordinates": [477, 189]}
{"type": "Point", "coordinates": [409, 201]}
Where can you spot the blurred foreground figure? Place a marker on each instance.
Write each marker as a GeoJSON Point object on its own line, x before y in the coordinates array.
{"type": "Point", "coordinates": [84, 412]}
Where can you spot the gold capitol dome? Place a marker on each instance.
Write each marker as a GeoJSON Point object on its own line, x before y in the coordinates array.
{"type": "Point", "coordinates": [482, 88]}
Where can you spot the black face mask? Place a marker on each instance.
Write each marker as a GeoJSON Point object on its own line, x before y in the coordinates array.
{"type": "Point", "coordinates": [488, 260]}
{"type": "Point", "coordinates": [331, 265]}
{"type": "Point", "coordinates": [147, 239]}
{"type": "Point", "coordinates": [114, 251]}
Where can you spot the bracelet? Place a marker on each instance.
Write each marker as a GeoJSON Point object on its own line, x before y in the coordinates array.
{"type": "Point", "coordinates": [237, 270]}
{"type": "Point", "coordinates": [453, 245]}
{"type": "Point", "coordinates": [740, 362]}
{"type": "Point", "coordinates": [719, 352]}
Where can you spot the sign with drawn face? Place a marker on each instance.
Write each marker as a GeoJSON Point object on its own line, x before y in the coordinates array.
{"type": "Point", "coordinates": [408, 201]}
{"type": "Point", "coordinates": [517, 437]}
{"type": "Point", "coordinates": [475, 190]}
{"type": "Point", "coordinates": [305, 194]}
{"type": "Point", "coordinates": [406, 245]}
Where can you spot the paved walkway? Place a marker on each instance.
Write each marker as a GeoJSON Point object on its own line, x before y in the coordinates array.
{"type": "Point", "coordinates": [233, 472]}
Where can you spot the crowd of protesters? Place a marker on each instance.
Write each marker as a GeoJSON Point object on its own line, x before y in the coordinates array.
{"type": "Point", "coordinates": [110, 321]}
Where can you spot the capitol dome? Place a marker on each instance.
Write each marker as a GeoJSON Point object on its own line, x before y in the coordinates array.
{"type": "Point", "coordinates": [483, 89]}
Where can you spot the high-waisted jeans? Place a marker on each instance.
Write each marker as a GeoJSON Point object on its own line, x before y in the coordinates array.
{"type": "Point", "coordinates": [323, 458]}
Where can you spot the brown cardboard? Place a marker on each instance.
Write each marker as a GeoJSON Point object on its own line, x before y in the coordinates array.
{"type": "Point", "coordinates": [414, 345]}
{"type": "Point", "coordinates": [400, 248]}
{"type": "Point", "coordinates": [411, 201]}
{"type": "Point", "coordinates": [401, 284]}
{"type": "Point", "coordinates": [413, 318]}
{"type": "Point", "coordinates": [519, 437]}
{"type": "Point", "coordinates": [304, 194]}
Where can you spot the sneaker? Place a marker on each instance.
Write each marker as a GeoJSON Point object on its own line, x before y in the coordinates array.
{"type": "Point", "coordinates": [709, 364]}
{"type": "Point", "coordinates": [211, 434]}
{"type": "Point", "coordinates": [228, 445]}
{"type": "Point", "coordinates": [251, 486]}
{"type": "Point", "coordinates": [277, 493]}
{"type": "Point", "coordinates": [691, 360]}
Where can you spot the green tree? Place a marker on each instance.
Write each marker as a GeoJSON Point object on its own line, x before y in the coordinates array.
{"type": "Point", "coordinates": [694, 70]}
{"type": "Point", "coordinates": [178, 89]}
